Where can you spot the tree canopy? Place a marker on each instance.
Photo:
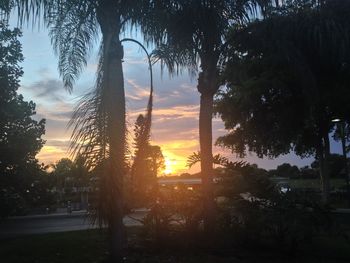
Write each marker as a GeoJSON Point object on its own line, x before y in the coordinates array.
{"type": "Point", "coordinates": [20, 134]}
{"type": "Point", "coordinates": [191, 35]}
{"type": "Point", "coordinates": [287, 79]}
{"type": "Point", "coordinates": [286, 76]}
{"type": "Point", "coordinates": [148, 162]}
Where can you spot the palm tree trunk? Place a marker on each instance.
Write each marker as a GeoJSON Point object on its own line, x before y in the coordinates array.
{"type": "Point", "coordinates": [205, 140]}
{"type": "Point", "coordinates": [114, 98]}
{"type": "Point", "coordinates": [116, 133]}
{"type": "Point", "coordinates": [207, 86]}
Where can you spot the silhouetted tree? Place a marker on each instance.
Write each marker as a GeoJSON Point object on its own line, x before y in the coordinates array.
{"type": "Point", "coordinates": [157, 160]}
{"type": "Point", "coordinates": [99, 121]}
{"type": "Point", "coordinates": [148, 161]}
{"type": "Point", "coordinates": [192, 34]}
{"type": "Point", "coordinates": [63, 176]}
{"type": "Point", "coordinates": [287, 79]}
{"type": "Point", "coordinates": [336, 165]}
{"type": "Point", "coordinates": [287, 170]}
{"type": "Point", "coordinates": [20, 134]}
{"type": "Point", "coordinates": [307, 172]}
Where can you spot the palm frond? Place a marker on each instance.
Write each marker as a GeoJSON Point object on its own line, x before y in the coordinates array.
{"type": "Point", "coordinates": [90, 140]}
{"type": "Point", "coordinates": [193, 159]}
{"type": "Point", "coordinates": [217, 159]}
{"type": "Point", "coordinates": [176, 59]}
{"type": "Point", "coordinates": [89, 123]}
{"type": "Point", "coordinates": [73, 29]}
{"type": "Point", "coordinates": [220, 160]}
{"type": "Point", "coordinates": [186, 31]}
{"type": "Point", "coordinates": [34, 10]}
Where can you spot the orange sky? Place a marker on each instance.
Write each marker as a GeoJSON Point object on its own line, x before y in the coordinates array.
{"type": "Point", "coordinates": [175, 150]}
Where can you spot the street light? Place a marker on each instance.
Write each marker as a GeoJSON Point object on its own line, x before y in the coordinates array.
{"type": "Point", "coordinates": [149, 63]}
{"type": "Point", "coordinates": [341, 126]}
{"type": "Point", "coordinates": [150, 101]}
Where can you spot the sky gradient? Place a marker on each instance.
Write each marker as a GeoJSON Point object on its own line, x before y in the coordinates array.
{"type": "Point", "coordinates": [175, 114]}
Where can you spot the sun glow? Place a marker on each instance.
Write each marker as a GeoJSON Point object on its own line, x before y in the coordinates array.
{"type": "Point", "coordinates": [50, 154]}
{"type": "Point", "coordinates": [170, 166]}
{"type": "Point", "coordinates": [174, 159]}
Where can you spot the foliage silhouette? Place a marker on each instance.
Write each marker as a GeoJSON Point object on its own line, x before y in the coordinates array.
{"type": "Point", "coordinates": [99, 120]}
{"type": "Point", "coordinates": [192, 34]}
{"type": "Point", "coordinates": [286, 80]}
{"type": "Point", "coordinates": [20, 134]}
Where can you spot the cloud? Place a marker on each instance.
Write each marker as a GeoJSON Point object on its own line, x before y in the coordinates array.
{"type": "Point", "coordinates": [57, 116]}
{"type": "Point", "coordinates": [135, 91]}
{"type": "Point", "coordinates": [63, 144]}
{"type": "Point", "coordinates": [60, 111]}
{"type": "Point", "coordinates": [176, 94]}
{"type": "Point", "coordinates": [47, 89]}
{"type": "Point", "coordinates": [176, 111]}
{"type": "Point", "coordinates": [44, 72]}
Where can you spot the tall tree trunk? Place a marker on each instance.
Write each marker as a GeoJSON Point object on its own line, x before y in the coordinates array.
{"type": "Point", "coordinates": [114, 98]}
{"type": "Point", "coordinates": [326, 180]}
{"type": "Point", "coordinates": [207, 86]}
{"type": "Point", "coordinates": [116, 133]}
{"type": "Point", "coordinates": [205, 140]}
{"type": "Point", "coordinates": [323, 152]}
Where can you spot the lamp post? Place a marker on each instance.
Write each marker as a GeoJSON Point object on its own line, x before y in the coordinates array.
{"type": "Point", "coordinates": [341, 126]}
{"type": "Point", "coordinates": [150, 101]}
{"type": "Point", "coordinates": [148, 58]}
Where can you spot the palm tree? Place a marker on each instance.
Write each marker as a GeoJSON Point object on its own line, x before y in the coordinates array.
{"type": "Point", "coordinates": [99, 120]}
{"type": "Point", "coordinates": [191, 34]}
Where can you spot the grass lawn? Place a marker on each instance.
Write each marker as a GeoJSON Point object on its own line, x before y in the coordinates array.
{"type": "Point", "coordinates": [68, 247]}
{"type": "Point", "coordinates": [315, 183]}
{"type": "Point", "coordinates": [90, 246]}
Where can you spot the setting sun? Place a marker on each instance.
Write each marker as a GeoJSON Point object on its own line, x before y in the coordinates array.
{"type": "Point", "coordinates": [169, 166]}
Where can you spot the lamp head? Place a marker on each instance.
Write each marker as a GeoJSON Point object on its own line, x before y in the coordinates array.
{"type": "Point", "coordinates": [336, 120]}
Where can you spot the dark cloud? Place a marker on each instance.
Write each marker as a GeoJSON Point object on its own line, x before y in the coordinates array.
{"type": "Point", "coordinates": [61, 115]}
{"type": "Point", "coordinates": [48, 89]}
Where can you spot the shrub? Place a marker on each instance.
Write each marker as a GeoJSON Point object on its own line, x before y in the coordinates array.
{"type": "Point", "coordinates": [174, 213]}
{"type": "Point", "coordinates": [256, 212]}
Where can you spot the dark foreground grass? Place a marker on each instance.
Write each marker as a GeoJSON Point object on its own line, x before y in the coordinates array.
{"type": "Point", "coordinates": [68, 247]}
{"type": "Point", "coordinates": [91, 246]}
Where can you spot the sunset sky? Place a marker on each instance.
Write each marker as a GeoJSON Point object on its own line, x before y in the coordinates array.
{"type": "Point", "coordinates": [175, 114]}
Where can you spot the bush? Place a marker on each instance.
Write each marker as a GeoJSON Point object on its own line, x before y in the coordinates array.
{"type": "Point", "coordinates": [251, 210]}
{"type": "Point", "coordinates": [11, 203]}
{"type": "Point", "coordinates": [175, 212]}
{"type": "Point", "coordinates": [256, 212]}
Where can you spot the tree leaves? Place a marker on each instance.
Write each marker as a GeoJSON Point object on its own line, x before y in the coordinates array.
{"type": "Point", "coordinates": [282, 73]}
